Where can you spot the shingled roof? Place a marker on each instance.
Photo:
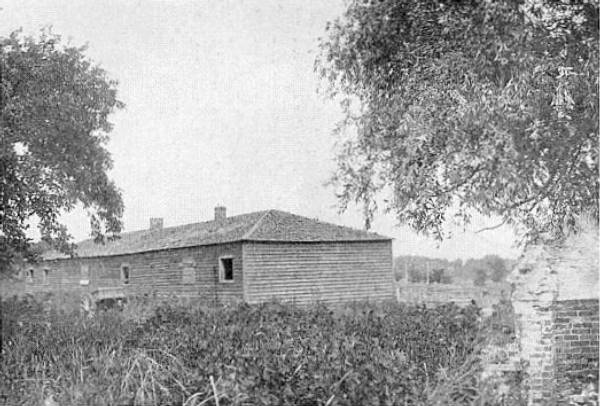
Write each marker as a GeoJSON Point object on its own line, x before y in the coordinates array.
{"type": "Point", "coordinates": [268, 225]}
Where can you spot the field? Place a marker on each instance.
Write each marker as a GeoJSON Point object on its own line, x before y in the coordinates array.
{"type": "Point", "coordinates": [461, 293]}
{"type": "Point", "coordinates": [272, 354]}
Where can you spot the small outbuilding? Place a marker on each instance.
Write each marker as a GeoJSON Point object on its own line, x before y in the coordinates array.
{"type": "Point", "coordinates": [254, 257]}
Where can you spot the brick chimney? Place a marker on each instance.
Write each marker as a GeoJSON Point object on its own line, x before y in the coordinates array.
{"type": "Point", "coordinates": [156, 223]}
{"type": "Point", "coordinates": [220, 213]}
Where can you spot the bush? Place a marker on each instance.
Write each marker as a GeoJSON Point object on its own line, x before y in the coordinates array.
{"type": "Point", "coordinates": [265, 354]}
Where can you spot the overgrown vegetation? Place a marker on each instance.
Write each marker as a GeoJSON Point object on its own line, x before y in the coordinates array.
{"type": "Point", "coordinates": [384, 354]}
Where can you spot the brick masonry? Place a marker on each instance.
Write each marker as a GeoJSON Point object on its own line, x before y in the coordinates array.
{"type": "Point", "coordinates": [559, 342]}
{"type": "Point", "coordinates": [534, 320]}
{"type": "Point", "coordinates": [555, 298]}
{"type": "Point", "coordinates": [575, 338]}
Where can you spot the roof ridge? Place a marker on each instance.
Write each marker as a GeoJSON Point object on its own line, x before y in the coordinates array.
{"type": "Point", "coordinates": [179, 226]}
{"type": "Point", "coordinates": [331, 224]}
{"type": "Point", "coordinates": [263, 225]}
{"type": "Point", "coordinates": [255, 226]}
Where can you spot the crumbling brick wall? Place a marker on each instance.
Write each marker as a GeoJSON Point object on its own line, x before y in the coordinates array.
{"type": "Point", "coordinates": [555, 298]}
{"type": "Point", "coordinates": [575, 335]}
{"type": "Point", "coordinates": [534, 322]}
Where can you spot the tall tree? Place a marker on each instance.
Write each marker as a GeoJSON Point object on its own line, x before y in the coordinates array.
{"type": "Point", "coordinates": [497, 267]}
{"type": "Point", "coordinates": [467, 106]}
{"type": "Point", "coordinates": [54, 105]}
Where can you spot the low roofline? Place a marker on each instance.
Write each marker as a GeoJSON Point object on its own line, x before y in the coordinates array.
{"type": "Point", "coordinates": [243, 240]}
{"type": "Point", "coordinates": [381, 239]}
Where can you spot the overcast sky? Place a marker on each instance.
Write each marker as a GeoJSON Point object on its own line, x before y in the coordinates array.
{"type": "Point", "coordinates": [222, 108]}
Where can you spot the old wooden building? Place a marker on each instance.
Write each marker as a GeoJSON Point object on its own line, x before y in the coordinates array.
{"type": "Point", "coordinates": [252, 257]}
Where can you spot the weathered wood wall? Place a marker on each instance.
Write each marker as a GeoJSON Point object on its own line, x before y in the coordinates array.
{"type": "Point", "coordinates": [186, 272]}
{"type": "Point", "coordinates": [300, 272]}
{"type": "Point", "coordinates": [308, 272]}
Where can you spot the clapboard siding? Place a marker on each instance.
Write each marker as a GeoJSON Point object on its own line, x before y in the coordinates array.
{"type": "Point", "coordinates": [300, 272]}
{"type": "Point", "coordinates": [161, 272]}
{"type": "Point", "coordinates": [66, 276]}
{"type": "Point", "coordinates": [323, 271]}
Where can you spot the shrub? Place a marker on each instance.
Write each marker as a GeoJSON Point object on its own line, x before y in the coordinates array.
{"type": "Point", "coordinates": [265, 354]}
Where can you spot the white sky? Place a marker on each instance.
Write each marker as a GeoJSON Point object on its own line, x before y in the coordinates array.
{"type": "Point", "coordinates": [222, 108]}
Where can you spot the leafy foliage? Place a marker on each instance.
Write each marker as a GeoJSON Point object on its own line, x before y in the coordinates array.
{"type": "Point", "coordinates": [461, 106]}
{"type": "Point", "coordinates": [54, 107]}
{"type": "Point", "coordinates": [259, 355]}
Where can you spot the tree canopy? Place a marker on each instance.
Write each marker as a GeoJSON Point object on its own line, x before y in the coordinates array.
{"type": "Point", "coordinates": [455, 107]}
{"type": "Point", "coordinates": [488, 268]}
{"type": "Point", "coordinates": [54, 126]}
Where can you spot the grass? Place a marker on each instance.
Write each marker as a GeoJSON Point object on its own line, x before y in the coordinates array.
{"type": "Point", "coordinates": [273, 354]}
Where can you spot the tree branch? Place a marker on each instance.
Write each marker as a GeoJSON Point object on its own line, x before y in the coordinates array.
{"type": "Point", "coordinates": [491, 227]}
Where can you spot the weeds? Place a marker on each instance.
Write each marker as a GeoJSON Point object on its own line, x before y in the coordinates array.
{"type": "Point", "coordinates": [387, 354]}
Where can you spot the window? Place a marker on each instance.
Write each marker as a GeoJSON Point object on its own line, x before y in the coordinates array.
{"type": "Point", "coordinates": [226, 269]}
{"type": "Point", "coordinates": [29, 276]}
{"type": "Point", "coordinates": [125, 274]}
{"type": "Point", "coordinates": [188, 273]}
{"type": "Point", "coordinates": [84, 275]}
{"type": "Point", "coordinates": [45, 275]}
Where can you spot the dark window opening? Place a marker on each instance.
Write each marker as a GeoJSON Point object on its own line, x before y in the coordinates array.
{"type": "Point", "coordinates": [125, 274]}
{"type": "Point", "coordinates": [226, 269]}
{"type": "Point", "coordinates": [46, 272]}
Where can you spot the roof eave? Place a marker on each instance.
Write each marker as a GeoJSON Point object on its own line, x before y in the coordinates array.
{"type": "Point", "coordinates": [240, 240]}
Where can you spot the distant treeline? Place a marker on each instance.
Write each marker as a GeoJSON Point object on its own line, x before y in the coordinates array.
{"type": "Point", "coordinates": [477, 271]}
